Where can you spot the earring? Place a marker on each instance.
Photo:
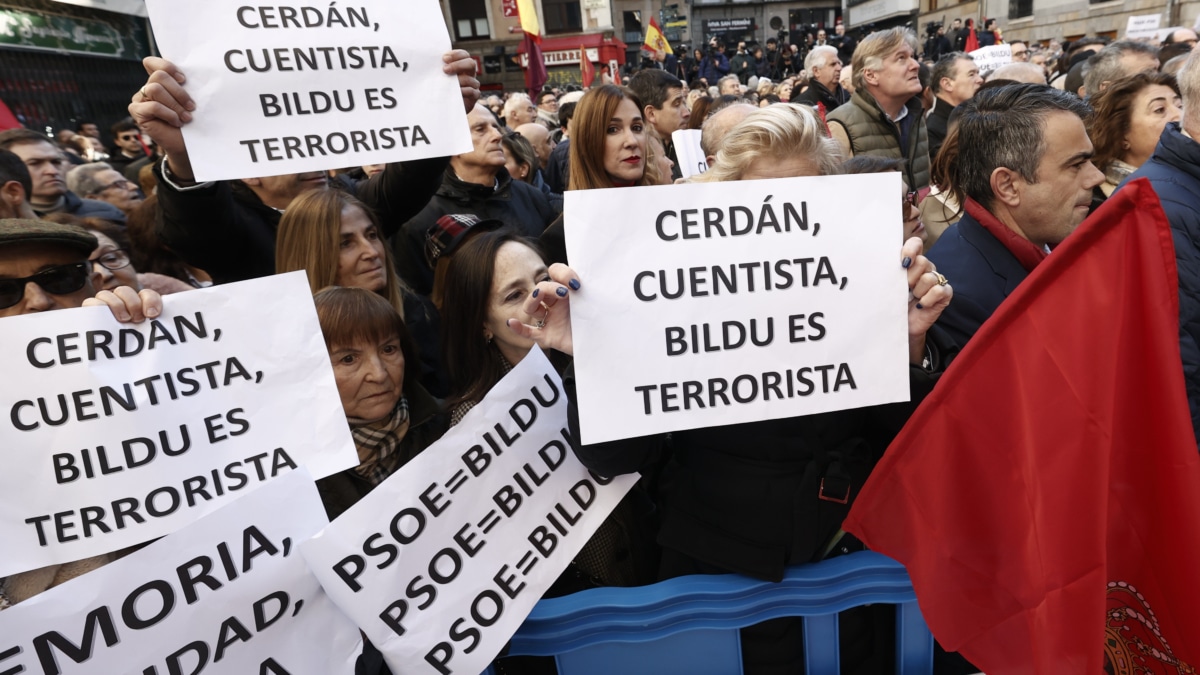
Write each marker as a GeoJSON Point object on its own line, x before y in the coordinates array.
{"type": "Point", "coordinates": [489, 336]}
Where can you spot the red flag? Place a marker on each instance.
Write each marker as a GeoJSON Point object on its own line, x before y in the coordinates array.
{"type": "Point", "coordinates": [1045, 497]}
{"type": "Point", "coordinates": [535, 72]}
{"type": "Point", "coordinates": [972, 39]}
{"type": "Point", "coordinates": [587, 71]}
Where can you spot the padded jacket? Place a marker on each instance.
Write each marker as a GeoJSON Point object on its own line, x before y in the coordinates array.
{"type": "Point", "coordinates": [1174, 171]}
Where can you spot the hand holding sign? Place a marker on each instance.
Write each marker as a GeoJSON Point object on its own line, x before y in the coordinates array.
{"type": "Point", "coordinates": [293, 89]}
{"type": "Point", "coordinates": [162, 106]}
{"type": "Point", "coordinates": [128, 305]}
{"type": "Point", "coordinates": [929, 295]}
{"type": "Point", "coordinates": [550, 300]}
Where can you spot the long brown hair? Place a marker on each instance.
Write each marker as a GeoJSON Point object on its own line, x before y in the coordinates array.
{"type": "Point", "coordinates": [1113, 109]}
{"type": "Point", "coordinates": [589, 134]}
{"type": "Point", "coordinates": [473, 364]}
{"type": "Point", "coordinates": [309, 237]}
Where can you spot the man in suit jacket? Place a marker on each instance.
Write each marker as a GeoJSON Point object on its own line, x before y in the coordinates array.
{"type": "Point", "coordinates": [1018, 203]}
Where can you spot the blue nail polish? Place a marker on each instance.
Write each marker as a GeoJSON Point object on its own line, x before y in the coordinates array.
{"type": "Point", "coordinates": [906, 262]}
{"type": "Point", "coordinates": [919, 306]}
{"type": "Point", "coordinates": [574, 284]}
{"type": "Point", "coordinates": [562, 292]}
{"type": "Point", "coordinates": [535, 292]}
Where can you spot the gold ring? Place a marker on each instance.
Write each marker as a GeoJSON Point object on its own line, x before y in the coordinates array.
{"type": "Point", "coordinates": [942, 281]}
{"type": "Point", "coordinates": [145, 96]}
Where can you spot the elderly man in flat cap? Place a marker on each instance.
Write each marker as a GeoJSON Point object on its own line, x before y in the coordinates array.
{"type": "Point", "coordinates": [44, 266]}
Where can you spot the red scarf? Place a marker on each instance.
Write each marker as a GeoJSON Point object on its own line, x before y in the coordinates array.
{"type": "Point", "coordinates": [1026, 252]}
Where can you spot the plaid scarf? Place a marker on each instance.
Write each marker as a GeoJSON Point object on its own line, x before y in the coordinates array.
{"type": "Point", "coordinates": [377, 442]}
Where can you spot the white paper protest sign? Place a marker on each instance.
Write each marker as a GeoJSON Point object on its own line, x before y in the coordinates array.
{"type": "Point", "coordinates": [1143, 26]}
{"type": "Point", "coordinates": [115, 434]}
{"type": "Point", "coordinates": [228, 594]}
{"type": "Point", "coordinates": [292, 88]}
{"type": "Point", "coordinates": [718, 303]}
{"type": "Point", "coordinates": [692, 161]}
{"type": "Point", "coordinates": [992, 57]}
{"type": "Point", "coordinates": [442, 562]}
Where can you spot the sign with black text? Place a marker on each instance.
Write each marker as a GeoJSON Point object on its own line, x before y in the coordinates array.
{"type": "Point", "coordinates": [296, 88]}
{"type": "Point", "coordinates": [707, 304]}
{"type": "Point", "coordinates": [229, 594]}
{"type": "Point", "coordinates": [116, 434]}
{"type": "Point", "coordinates": [990, 58]}
{"type": "Point", "coordinates": [441, 563]}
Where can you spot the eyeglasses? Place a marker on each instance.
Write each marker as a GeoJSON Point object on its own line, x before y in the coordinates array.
{"type": "Point", "coordinates": [57, 280]}
{"type": "Point", "coordinates": [129, 137]}
{"type": "Point", "coordinates": [113, 260]}
{"type": "Point", "coordinates": [123, 184]}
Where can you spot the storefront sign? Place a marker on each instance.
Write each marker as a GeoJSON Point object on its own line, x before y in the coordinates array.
{"type": "Point", "coordinates": [566, 57]}
{"type": "Point", "coordinates": [35, 30]}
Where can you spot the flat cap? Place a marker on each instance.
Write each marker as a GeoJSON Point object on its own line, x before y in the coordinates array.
{"type": "Point", "coordinates": [27, 231]}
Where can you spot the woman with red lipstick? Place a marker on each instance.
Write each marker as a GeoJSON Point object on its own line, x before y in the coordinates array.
{"type": "Point", "coordinates": [608, 140]}
{"type": "Point", "coordinates": [337, 241]}
{"type": "Point", "coordinates": [608, 149]}
{"type": "Point", "coordinates": [755, 498]}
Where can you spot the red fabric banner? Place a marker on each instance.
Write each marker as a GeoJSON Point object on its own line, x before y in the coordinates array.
{"type": "Point", "coordinates": [1045, 497]}
{"type": "Point", "coordinates": [587, 70]}
{"type": "Point", "coordinates": [535, 74]}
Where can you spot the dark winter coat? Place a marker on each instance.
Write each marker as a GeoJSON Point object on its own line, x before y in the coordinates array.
{"type": "Point", "coordinates": [936, 124]}
{"type": "Point", "coordinates": [519, 205]}
{"type": "Point", "coordinates": [87, 208]}
{"type": "Point", "coordinates": [983, 272]}
{"type": "Point", "coordinates": [1174, 171]}
{"type": "Point", "coordinates": [224, 229]}
{"type": "Point", "coordinates": [426, 425]}
{"type": "Point", "coordinates": [747, 498]}
{"type": "Point", "coordinates": [819, 93]}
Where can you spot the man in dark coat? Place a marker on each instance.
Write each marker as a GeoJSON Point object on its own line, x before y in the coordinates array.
{"type": "Point", "coordinates": [227, 228]}
{"type": "Point", "coordinates": [46, 166]}
{"type": "Point", "coordinates": [476, 183]}
{"type": "Point", "coordinates": [825, 71]}
{"type": "Point", "coordinates": [844, 43]}
{"type": "Point", "coordinates": [1018, 202]}
{"type": "Point", "coordinates": [716, 64]}
{"type": "Point", "coordinates": [954, 80]}
{"type": "Point", "coordinates": [1174, 171]}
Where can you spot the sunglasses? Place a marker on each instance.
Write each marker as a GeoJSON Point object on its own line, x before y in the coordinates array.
{"type": "Point", "coordinates": [57, 280]}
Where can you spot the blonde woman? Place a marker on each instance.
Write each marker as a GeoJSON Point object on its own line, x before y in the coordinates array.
{"type": "Point", "coordinates": [778, 141]}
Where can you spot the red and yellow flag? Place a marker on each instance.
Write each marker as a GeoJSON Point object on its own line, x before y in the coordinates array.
{"type": "Point", "coordinates": [655, 41]}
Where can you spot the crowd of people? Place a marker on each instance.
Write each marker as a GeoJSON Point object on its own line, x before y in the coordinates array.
{"type": "Point", "coordinates": [433, 278]}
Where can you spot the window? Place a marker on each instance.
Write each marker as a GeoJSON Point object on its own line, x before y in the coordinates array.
{"type": "Point", "coordinates": [470, 19]}
{"type": "Point", "coordinates": [633, 27]}
{"type": "Point", "coordinates": [562, 16]}
{"type": "Point", "coordinates": [1020, 8]}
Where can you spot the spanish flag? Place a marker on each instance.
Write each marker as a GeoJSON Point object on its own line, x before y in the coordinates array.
{"type": "Point", "coordinates": [527, 13]}
{"type": "Point", "coordinates": [655, 41]}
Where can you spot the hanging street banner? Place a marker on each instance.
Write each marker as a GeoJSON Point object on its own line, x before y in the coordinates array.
{"type": "Point", "coordinates": [707, 304]}
{"type": "Point", "coordinates": [115, 434]}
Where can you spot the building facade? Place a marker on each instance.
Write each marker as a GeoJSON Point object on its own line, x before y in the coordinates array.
{"type": "Point", "coordinates": [491, 31]}
{"type": "Point", "coordinates": [1044, 20]}
{"type": "Point", "coordinates": [63, 63]}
